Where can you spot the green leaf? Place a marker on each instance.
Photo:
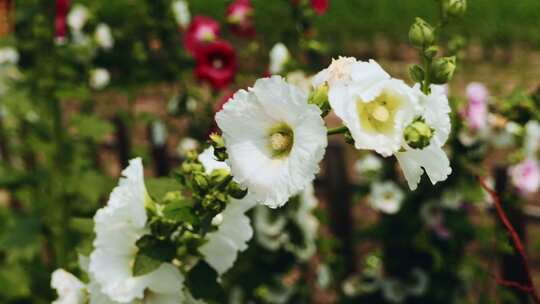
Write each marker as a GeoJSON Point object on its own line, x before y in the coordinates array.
{"type": "Point", "coordinates": [92, 127]}
{"type": "Point", "coordinates": [202, 283]}
{"type": "Point", "coordinates": [180, 211]}
{"type": "Point", "coordinates": [152, 253]}
{"type": "Point", "coordinates": [158, 187]}
{"type": "Point", "coordinates": [145, 264]}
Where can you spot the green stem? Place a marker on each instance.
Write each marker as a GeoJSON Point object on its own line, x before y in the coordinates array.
{"type": "Point", "coordinates": [427, 67]}
{"type": "Point", "coordinates": [338, 130]}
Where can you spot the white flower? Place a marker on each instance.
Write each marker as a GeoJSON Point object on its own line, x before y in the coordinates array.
{"type": "Point", "coordinates": [181, 13]}
{"type": "Point", "coordinates": [308, 224]}
{"type": "Point", "coordinates": [532, 138]}
{"type": "Point", "coordinates": [209, 161]}
{"type": "Point", "coordinates": [299, 79]}
{"type": "Point", "coordinates": [77, 17]}
{"type": "Point", "coordinates": [117, 227]}
{"type": "Point", "coordinates": [8, 55]}
{"type": "Point", "coordinates": [269, 228]}
{"type": "Point", "coordinates": [386, 197]}
{"type": "Point", "coordinates": [274, 139]}
{"type": "Point", "coordinates": [432, 159]}
{"type": "Point", "coordinates": [368, 163]}
{"type": "Point", "coordinates": [231, 237]}
{"type": "Point", "coordinates": [69, 288]}
{"type": "Point", "coordinates": [279, 55]}
{"type": "Point", "coordinates": [187, 144]}
{"type": "Point", "coordinates": [104, 37]}
{"type": "Point", "coordinates": [99, 78]}
{"type": "Point", "coordinates": [234, 229]}
{"type": "Point", "coordinates": [374, 107]}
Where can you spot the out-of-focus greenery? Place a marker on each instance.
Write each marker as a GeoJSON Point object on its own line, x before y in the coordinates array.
{"type": "Point", "coordinates": [492, 22]}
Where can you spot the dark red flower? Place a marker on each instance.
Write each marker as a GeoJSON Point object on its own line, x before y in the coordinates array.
{"type": "Point", "coordinates": [62, 7]}
{"type": "Point", "coordinates": [216, 63]}
{"type": "Point", "coordinates": [202, 30]}
{"type": "Point", "coordinates": [240, 17]}
{"type": "Point", "coordinates": [320, 6]}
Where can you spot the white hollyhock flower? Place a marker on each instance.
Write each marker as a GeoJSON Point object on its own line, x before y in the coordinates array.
{"type": "Point", "coordinates": [104, 37]}
{"type": "Point", "coordinates": [69, 288]}
{"type": "Point", "coordinates": [274, 139]}
{"type": "Point", "coordinates": [8, 55]}
{"type": "Point", "coordinates": [300, 80]}
{"type": "Point", "coordinates": [117, 227]}
{"type": "Point", "coordinates": [435, 111]}
{"type": "Point", "coordinates": [181, 13]}
{"type": "Point", "coordinates": [234, 229]}
{"type": "Point", "coordinates": [386, 197]}
{"type": "Point", "coordinates": [99, 78]}
{"type": "Point", "coordinates": [308, 224]}
{"type": "Point", "coordinates": [532, 138]}
{"type": "Point", "coordinates": [279, 55]}
{"type": "Point", "coordinates": [269, 228]}
{"type": "Point", "coordinates": [368, 163]}
{"type": "Point", "coordinates": [374, 107]}
{"type": "Point", "coordinates": [77, 17]}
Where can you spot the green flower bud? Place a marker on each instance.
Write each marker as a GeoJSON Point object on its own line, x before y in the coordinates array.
{"type": "Point", "coordinates": [417, 73]}
{"type": "Point", "coordinates": [173, 196]}
{"type": "Point", "coordinates": [220, 176]}
{"type": "Point", "coordinates": [431, 51]}
{"type": "Point", "coordinates": [454, 8]}
{"type": "Point", "coordinates": [236, 191]}
{"type": "Point", "coordinates": [421, 34]}
{"type": "Point", "coordinates": [443, 69]}
{"type": "Point", "coordinates": [319, 97]}
{"type": "Point", "coordinates": [418, 134]}
{"type": "Point", "coordinates": [220, 152]}
{"type": "Point", "coordinates": [200, 182]}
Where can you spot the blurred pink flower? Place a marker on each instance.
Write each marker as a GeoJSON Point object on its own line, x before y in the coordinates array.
{"type": "Point", "coordinates": [201, 31]}
{"type": "Point", "coordinates": [476, 112]}
{"type": "Point", "coordinates": [240, 16]}
{"type": "Point", "coordinates": [62, 7]}
{"type": "Point", "coordinates": [525, 176]}
{"type": "Point", "coordinates": [216, 64]}
{"type": "Point", "coordinates": [320, 6]}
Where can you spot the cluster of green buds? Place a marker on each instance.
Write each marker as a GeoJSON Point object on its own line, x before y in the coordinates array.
{"type": "Point", "coordinates": [423, 36]}
{"type": "Point", "coordinates": [217, 142]}
{"type": "Point", "coordinates": [418, 134]}
{"type": "Point", "coordinates": [319, 97]}
{"type": "Point", "coordinates": [180, 219]}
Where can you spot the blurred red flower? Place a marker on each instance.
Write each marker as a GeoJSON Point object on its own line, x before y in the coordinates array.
{"type": "Point", "coordinates": [320, 6]}
{"type": "Point", "coordinates": [240, 17]}
{"type": "Point", "coordinates": [201, 31]}
{"type": "Point", "coordinates": [216, 64]}
{"type": "Point", "coordinates": [62, 7]}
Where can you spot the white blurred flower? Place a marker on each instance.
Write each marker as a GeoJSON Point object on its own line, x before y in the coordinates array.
{"type": "Point", "coordinates": [9, 55]}
{"type": "Point", "coordinates": [234, 227]}
{"type": "Point", "coordinates": [436, 113]}
{"type": "Point", "coordinates": [532, 138]}
{"type": "Point", "coordinates": [209, 161]}
{"type": "Point", "coordinates": [374, 107]}
{"type": "Point", "coordinates": [117, 227]}
{"type": "Point", "coordinates": [181, 13]}
{"type": "Point", "coordinates": [77, 17]}
{"type": "Point", "coordinates": [231, 237]}
{"type": "Point", "coordinates": [99, 78]}
{"type": "Point", "coordinates": [393, 290]}
{"type": "Point", "coordinates": [452, 199]}
{"type": "Point", "coordinates": [280, 154]}
{"type": "Point", "coordinates": [279, 56]}
{"type": "Point", "coordinates": [187, 144]}
{"type": "Point", "coordinates": [386, 197]}
{"type": "Point", "coordinates": [420, 282]}
{"type": "Point", "coordinates": [308, 224]}
{"type": "Point", "coordinates": [69, 288]}
{"type": "Point", "coordinates": [269, 228]}
{"type": "Point", "coordinates": [104, 37]}
{"type": "Point", "coordinates": [368, 163]}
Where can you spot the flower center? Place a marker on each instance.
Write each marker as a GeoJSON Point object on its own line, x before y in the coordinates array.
{"type": "Point", "coordinates": [280, 140]}
{"type": "Point", "coordinates": [217, 63]}
{"type": "Point", "coordinates": [206, 34]}
{"type": "Point", "coordinates": [378, 115]}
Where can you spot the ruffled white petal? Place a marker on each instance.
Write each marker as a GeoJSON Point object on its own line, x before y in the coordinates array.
{"type": "Point", "coordinates": [118, 226]}
{"type": "Point", "coordinates": [246, 121]}
{"type": "Point", "coordinates": [231, 237]}
{"type": "Point", "coordinates": [69, 288]}
{"type": "Point", "coordinates": [432, 159]}
{"type": "Point", "coordinates": [209, 161]}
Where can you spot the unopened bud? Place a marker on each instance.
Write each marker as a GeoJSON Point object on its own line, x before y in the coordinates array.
{"type": "Point", "coordinates": [421, 34]}
{"type": "Point", "coordinates": [200, 182]}
{"type": "Point", "coordinates": [220, 152]}
{"type": "Point", "coordinates": [455, 8]}
{"type": "Point", "coordinates": [217, 220]}
{"type": "Point", "coordinates": [236, 191]}
{"type": "Point", "coordinates": [431, 51]}
{"type": "Point", "coordinates": [319, 97]}
{"type": "Point", "coordinates": [417, 73]}
{"type": "Point", "coordinates": [418, 134]}
{"type": "Point", "coordinates": [172, 196]}
{"type": "Point", "coordinates": [443, 69]}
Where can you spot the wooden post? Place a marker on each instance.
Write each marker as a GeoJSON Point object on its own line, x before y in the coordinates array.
{"type": "Point", "coordinates": [339, 202]}
{"type": "Point", "coordinates": [123, 144]}
{"type": "Point", "coordinates": [511, 263]}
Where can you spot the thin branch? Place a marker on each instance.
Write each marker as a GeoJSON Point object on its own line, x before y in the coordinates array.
{"type": "Point", "coordinates": [518, 245]}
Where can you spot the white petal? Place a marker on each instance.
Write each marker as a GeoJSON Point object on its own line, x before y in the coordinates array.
{"type": "Point", "coordinates": [432, 159]}
{"type": "Point", "coordinates": [69, 288]}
